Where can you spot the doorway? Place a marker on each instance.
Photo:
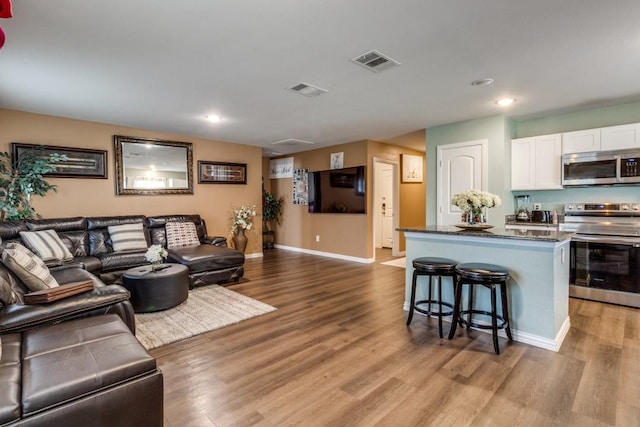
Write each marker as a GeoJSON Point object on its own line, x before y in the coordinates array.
{"type": "Point", "coordinates": [461, 167]}
{"type": "Point", "coordinates": [385, 205]}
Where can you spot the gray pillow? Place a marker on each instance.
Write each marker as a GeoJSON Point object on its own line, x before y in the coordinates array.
{"type": "Point", "coordinates": [28, 267]}
{"type": "Point", "coordinates": [46, 244]}
{"type": "Point", "coordinates": [127, 237]}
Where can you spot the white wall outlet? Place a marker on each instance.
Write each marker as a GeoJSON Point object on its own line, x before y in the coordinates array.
{"type": "Point", "coordinates": [537, 206]}
{"type": "Point", "coordinates": [317, 237]}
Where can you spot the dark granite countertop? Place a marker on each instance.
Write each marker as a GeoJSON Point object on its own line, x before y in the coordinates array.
{"type": "Point", "coordinates": [551, 235]}
{"type": "Point", "coordinates": [530, 223]}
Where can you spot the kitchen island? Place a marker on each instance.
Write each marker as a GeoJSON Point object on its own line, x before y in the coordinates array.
{"type": "Point", "coordinates": [538, 261]}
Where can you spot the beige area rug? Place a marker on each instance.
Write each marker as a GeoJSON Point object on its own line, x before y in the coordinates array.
{"type": "Point", "coordinates": [398, 262]}
{"type": "Point", "coordinates": [207, 308]}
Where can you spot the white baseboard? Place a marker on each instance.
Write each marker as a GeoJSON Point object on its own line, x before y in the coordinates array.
{"type": "Point", "coordinates": [520, 336]}
{"type": "Point", "coordinates": [254, 255]}
{"type": "Point", "coordinates": [326, 254]}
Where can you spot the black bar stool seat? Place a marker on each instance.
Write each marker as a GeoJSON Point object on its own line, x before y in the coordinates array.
{"type": "Point", "coordinates": [490, 276]}
{"type": "Point", "coordinates": [431, 266]}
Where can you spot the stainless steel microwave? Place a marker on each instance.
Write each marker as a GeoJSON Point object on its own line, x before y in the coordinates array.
{"type": "Point", "coordinates": [601, 168]}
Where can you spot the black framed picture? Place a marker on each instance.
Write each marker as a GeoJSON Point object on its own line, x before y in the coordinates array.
{"type": "Point", "coordinates": [221, 173]}
{"type": "Point", "coordinates": [80, 162]}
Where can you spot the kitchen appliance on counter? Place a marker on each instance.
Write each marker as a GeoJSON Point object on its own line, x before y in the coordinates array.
{"type": "Point", "coordinates": [605, 252]}
{"type": "Point", "coordinates": [522, 208]}
{"type": "Point", "coordinates": [541, 216]}
{"type": "Point", "coordinates": [601, 168]}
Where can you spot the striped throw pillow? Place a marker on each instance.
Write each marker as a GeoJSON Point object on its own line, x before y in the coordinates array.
{"type": "Point", "coordinates": [28, 267]}
{"type": "Point", "coordinates": [181, 235]}
{"type": "Point", "coordinates": [127, 237]}
{"type": "Point", "coordinates": [46, 244]}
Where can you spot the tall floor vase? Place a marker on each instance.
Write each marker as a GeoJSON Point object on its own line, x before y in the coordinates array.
{"type": "Point", "coordinates": [240, 240]}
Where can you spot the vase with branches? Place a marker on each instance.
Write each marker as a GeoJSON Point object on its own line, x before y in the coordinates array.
{"type": "Point", "coordinates": [21, 178]}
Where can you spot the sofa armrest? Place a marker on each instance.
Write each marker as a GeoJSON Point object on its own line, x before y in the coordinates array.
{"type": "Point", "coordinates": [215, 240]}
{"type": "Point", "coordinates": [20, 317]}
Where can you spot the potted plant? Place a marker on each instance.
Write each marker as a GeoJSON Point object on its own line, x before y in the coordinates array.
{"type": "Point", "coordinates": [271, 211]}
{"type": "Point", "coordinates": [22, 178]}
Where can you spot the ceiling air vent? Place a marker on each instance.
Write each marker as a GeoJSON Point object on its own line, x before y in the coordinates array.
{"type": "Point", "coordinates": [375, 61]}
{"type": "Point", "coordinates": [291, 142]}
{"type": "Point", "coordinates": [307, 90]}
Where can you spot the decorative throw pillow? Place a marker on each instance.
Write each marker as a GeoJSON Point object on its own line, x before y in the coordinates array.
{"type": "Point", "coordinates": [46, 244]}
{"type": "Point", "coordinates": [28, 267]}
{"type": "Point", "coordinates": [181, 235]}
{"type": "Point", "coordinates": [127, 237]}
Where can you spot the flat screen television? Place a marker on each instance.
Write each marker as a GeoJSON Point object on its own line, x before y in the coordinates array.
{"type": "Point", "coordinates": [338, 191]}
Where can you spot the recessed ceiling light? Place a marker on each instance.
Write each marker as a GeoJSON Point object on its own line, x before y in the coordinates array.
{"type": "Point", "coordinates": [482, 82]}
{"type": "Point", "coordinates": [213, 118]}
{"type": "Point", "coordinates": [505, 101]}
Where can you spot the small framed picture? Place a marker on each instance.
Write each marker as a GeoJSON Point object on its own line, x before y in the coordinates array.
{"type": "Point", "coordinates": [221, 173]}
{"type": "Point", "coordinates": [411, 168]}
{"type": "Point", "coordinates": [337, 160]}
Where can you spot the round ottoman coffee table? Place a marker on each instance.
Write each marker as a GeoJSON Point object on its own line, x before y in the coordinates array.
{"type": "Point", "coordinates": [155, 290]}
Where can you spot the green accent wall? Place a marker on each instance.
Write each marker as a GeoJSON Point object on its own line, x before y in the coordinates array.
{"type": "Point", "coordinates": [499, 130]}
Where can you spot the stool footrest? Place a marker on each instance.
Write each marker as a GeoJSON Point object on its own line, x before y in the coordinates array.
{"type": "Point", "coordinates": [419, 309]}
{"type": "Point", "coordinates": [501, 325]}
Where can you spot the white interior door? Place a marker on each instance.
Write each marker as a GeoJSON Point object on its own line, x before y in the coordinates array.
{"type": "Point", "coordinates": [387, 206]}
{"type": "Point", "coordinates": [461, 167]}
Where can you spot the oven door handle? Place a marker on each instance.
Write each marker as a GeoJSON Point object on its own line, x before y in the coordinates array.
{"type": "Point", "coordinates": [628, 241]}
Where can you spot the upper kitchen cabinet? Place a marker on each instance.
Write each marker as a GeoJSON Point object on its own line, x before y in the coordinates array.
{"type": "Point", "coordinates": [620, 137]}
{"type": "Point", "coordinates": [536, 163]}
{"type": "Point", "coordinates": [581, 141]}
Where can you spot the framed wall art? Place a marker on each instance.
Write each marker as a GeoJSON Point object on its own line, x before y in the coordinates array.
{"type": "Point", "coordinates": [221, 173]}
{"type": "Point", "coordinates": [411, 168]}
{"type": "Point", "coordinates": [80, 162]}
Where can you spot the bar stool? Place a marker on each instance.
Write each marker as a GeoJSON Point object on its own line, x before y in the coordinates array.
{"type": "Point", "coordinates": [431, 266]}
{"type": "Point", "coordinates": [490, 276]}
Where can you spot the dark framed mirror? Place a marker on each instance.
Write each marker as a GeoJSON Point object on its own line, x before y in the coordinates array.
{"type": "Point", "coordinates": [147, 166]}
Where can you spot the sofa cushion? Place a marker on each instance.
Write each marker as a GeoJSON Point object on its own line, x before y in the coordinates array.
{"type": "Point", "coordinates": [117, 261]}
{"type": "Point", "coordinates": [127, 237]}
{"type": "Point", "coordinates": [46, 244]}
{"type": "Point", "coordinates": [10, 378]}
{"type": "Point", "coordinates": [28, 267]}
{"type": "Point", "coordinates": [7, 294]}
{"type": "Point", "coordinates": [181, 235]}
{"type": "Point", "coordinates": [206, 257]}
{"type": "Point", "coordinates": [101, 350]}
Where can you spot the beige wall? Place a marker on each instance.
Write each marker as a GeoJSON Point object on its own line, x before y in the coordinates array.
{"type": "Point", "coordinates": [88, 197]}
{"type": "Point", "coordinates": [348, 235]}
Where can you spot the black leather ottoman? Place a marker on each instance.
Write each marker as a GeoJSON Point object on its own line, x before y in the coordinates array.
{"type": "Point", "coordinates": [156, 290]}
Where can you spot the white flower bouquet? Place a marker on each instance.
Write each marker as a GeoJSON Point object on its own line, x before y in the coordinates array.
{"type": "Point", "coordinates": [243, 218]}
{"type": "Point", "coordinates": [155, 254]}
{"type": "Point", "coordinates": [473, 201]}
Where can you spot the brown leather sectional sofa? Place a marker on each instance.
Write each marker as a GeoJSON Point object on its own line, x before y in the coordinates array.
{"type": "Point", "coordinates": [87, 238]}
{"type": "Point", "coordinates": [76, 361]}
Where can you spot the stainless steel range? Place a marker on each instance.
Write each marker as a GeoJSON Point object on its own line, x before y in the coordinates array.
{"type": "Point", "coordinates": [605, 252]}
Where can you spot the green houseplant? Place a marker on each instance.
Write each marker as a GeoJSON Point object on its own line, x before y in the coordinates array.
{"type": "Point", "coordinates": [22, 179]}
{"type": "Point", "coordinates": [271, 209]}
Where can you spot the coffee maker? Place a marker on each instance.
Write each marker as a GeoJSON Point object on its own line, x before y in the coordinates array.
{"type": "Point", "coordinates": [522, 208]}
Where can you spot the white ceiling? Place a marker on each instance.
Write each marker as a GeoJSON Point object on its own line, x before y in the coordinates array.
{"type": "Point", "coordinates": [164, 65]}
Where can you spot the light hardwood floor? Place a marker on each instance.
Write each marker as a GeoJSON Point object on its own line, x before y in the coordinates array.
{"type": "Point", "coordinates": [337, 352]}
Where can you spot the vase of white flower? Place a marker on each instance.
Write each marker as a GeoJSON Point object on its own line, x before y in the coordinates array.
{"type": "Point", "coordinates": [242, 220]}
{"type": "Point", "coordinates": [473, 204]}
{"type": "Point", "coordinates": [156, 255]}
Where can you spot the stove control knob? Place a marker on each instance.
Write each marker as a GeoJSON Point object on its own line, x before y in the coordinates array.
{"type": "Point", "coordinates": [579, 207]}
{"type": "Point", "coordinates": [570, 207]}
{"type": "Point", "coordinates": [624, 207]}
{"type": "Point", "coordinates": [635, 207]}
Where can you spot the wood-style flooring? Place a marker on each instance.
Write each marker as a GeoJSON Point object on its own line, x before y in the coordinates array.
{"type": "Point", "coordinates": [337, 353]}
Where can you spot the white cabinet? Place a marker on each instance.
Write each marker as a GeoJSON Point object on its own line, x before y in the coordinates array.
{"type": "Point", "coordinates": [620, 137]}
{"type": "Point", "coordinates": [581, 141]}
{"type": "Point", "coordinates": [536, 163]}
